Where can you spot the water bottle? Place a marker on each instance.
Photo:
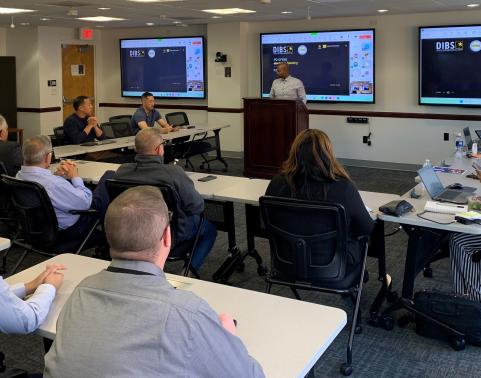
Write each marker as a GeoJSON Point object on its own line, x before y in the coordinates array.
{"type": "Point", "coordinates": [422, 188]}
{"type": "Point", "coordinates": [474, 149]}
{"type": "Point", "coordinates": [459, 146]}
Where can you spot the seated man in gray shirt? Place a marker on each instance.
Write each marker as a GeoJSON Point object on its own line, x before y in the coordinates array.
{"type": "Point", "coordinates": [128, 321]}
{"type": "Point", "coordinates": [149, 168]}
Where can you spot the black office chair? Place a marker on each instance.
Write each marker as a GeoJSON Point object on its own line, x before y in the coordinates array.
{"type": "Point", "coordinates": [10, 372]}
{"type": "Point", "coordinates": [180, 250]}
{"type": "Point", "coordinates": [308, 242]}
{"type": "Point", "coordinates": [121, 118]}
{"type": "Point", "coordinates": [59, 136]}
{"type": "Point", "coordinates": [117, 129]}
{"type": "Point", "coordinates": [184, 148]}
{"type": "Point", "coordinates": [38, 223]}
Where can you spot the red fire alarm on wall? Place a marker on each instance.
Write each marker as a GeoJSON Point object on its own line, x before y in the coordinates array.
{"type": "Point", "coordinates": [86, 34]}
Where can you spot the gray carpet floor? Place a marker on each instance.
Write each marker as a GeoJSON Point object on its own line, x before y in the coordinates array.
{"type": "Point", "coordinates": [377, 352]}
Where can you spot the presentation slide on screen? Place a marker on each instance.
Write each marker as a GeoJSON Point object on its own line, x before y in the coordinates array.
{"type": "Point", "coordinates": [450, 59]}
{"type": "Point", "coordinates": [334, 66]}
{"type": "Point", "coordinates": [167, 67]}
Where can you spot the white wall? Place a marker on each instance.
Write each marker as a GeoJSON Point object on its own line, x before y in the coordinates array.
{"type": "Point", "coordinates": [393, 139]}
{"type": "Point", "coordinates": [3, 41]}
{"type": "Point", "coordinates": [396, 140]}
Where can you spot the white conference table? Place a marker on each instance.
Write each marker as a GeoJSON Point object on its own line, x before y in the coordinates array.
{"type": "Point", "coordinates": [286, 336]}
{"type": "Point", "coordinates": [127, 142]}
{"type": "Point", "coordinates": [224, 188]}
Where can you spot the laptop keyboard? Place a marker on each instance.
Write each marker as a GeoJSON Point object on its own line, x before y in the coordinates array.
{"type": "Point", "coordinates": [450, 194]}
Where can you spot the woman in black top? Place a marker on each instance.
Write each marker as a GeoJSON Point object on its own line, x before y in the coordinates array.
{"type": "Point", "coordinates": [312, 172]}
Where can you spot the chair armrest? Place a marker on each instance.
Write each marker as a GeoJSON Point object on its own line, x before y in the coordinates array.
{"type": "Point", "coordinates": [88, 211]}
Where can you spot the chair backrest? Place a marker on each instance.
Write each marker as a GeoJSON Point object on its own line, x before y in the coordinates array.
{"type": "Point", "coordinates": [35, 211]}
{"type": "Point", "coordinates": [121, 118]}
{"type": "Point", "coordinates": [171, 198]}
{"type": "Point", "coordinates": [177, 119]}
{"type": "Point", "coordinates": [59, 135]}
{"type": "Point", "coordinates": [3, 169]}
{"type": "Point", "coordinates": [308, 240]}
{"type": "Point", "coordinates": [117, 129]}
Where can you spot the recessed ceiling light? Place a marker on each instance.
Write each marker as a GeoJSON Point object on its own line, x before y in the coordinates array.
{"type": "Point", "coordinates": [104, 8]}
{"type": "Point", "coordinates": [25, 23]}
{"type": "Point", "coordinates": [100, 19]}
{"type": "Point", "coordinates": [472, 5]}
{"type": "Point", "coordinates": [216, 16]}
{"type": "Point", "coordinates": [228, 11]}
{"type": "Point", "coordinates": [14, 10]}
{"type": "Point", "coordinates": [176, 22]}
{"type": "Point", "coordinates": [383, 10]}
{"type": "Point", "coordinates": [286, 12]}
{"type": "Point", "coordinates": [149, 24]}
{"type": "Point", "coordinates": [45, 19]}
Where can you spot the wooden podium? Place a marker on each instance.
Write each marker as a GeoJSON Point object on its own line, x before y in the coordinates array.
{"type": "Point", "coordinates": [270, 127]}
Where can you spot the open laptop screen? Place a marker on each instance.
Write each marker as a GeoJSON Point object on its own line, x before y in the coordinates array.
{"type": "Point", "coordinates": [431, 181]}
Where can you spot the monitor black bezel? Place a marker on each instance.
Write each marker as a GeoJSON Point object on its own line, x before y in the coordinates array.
{"type": "Point", "coordinates": [328, 31]}
{"type": "Point", "coordinates": [166, 97]}
{"type": "Point", "coordinates": [419, 66]}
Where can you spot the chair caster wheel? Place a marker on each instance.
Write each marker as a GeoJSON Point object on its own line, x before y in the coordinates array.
{"type": "Point", "coordinates": [404, 320]}
{"type": "Point", "coordinates": [358, 330]}
{"type": "Point", "coordinates": [457, 343]}
{"type": "Point", "coordinates": [387, 323]}
{"type": "Point", "coordinates": [392, 296]}
{"type": "Point", "coordinates": [241, 267]}
{"type": "Point", "coordinates": [261, 270]}
{"type": "Point", "coordinates": [428, 272]}
{"type": "Point", "coordinates": [346, 369]}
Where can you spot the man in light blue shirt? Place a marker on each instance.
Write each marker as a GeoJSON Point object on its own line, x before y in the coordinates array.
{"type": "Point", "coordinates": [65, 188]}
{"type": "Point", "coordinates": [286, 86]}
{"type": "Point", "coordinates": [19, 316]}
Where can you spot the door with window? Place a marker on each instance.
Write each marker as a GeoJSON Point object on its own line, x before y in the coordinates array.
{"type": "Point", "coordinates": [78, 76]}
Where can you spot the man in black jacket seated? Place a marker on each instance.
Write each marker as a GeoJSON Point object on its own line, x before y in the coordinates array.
{"type": "Point", "coordinates": [10, 152]}
{"type": "Point", "coordinates": [149, 168]}
{"type": "Point", "coordinates": [81, 127]}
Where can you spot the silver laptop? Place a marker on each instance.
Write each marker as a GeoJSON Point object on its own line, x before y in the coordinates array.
{"type": "Point", "coordinates": [436, 189]}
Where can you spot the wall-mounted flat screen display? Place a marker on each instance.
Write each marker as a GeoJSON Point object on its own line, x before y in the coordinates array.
{"type": "Point", "coordinates": [167, 67]}
{"type": "Point", "coordinates": [449, 65]}
{"type": "Point", "coordinates": [335, 66]}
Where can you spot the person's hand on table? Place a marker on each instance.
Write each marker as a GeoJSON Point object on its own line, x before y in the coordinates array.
{"type": "Point", "coordinates": [51, 275]}
{"type": "Point", "coordinates": [227, 322]}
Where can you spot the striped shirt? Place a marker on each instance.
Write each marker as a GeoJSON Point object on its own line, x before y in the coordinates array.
{"type": "Point", "coordinates": [288, 88]}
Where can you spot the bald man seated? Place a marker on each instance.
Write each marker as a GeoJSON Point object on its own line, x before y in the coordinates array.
{"type": "Point", "coordinates": [65, 188]}
{"type": "Point", "coordinates": [149, 168]}
{"type": "Point", "coordinates": [129, 321]}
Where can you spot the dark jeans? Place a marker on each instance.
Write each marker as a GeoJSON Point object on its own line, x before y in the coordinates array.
{"type": "Point", "coordinates": [100, 202]}
{"type": "Point", "coordinates": [207, 237]}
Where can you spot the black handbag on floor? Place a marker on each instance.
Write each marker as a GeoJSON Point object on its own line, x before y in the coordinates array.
{"type": "Point", "coordinates": [455, 311]}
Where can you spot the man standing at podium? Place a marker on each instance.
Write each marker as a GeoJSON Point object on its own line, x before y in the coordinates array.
{"type": "Point", "coordinates": [286, 86]}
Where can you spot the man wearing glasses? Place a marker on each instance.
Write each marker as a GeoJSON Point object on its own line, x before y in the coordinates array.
{"type": "Point", "coordinates": [65, 188]}
{"type": "Point", "coordinates": [149, 168]}
{"type": "Point", "coordinates": [129, 321]}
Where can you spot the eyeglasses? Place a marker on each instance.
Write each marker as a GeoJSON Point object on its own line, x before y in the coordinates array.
{"type": "Point", "coordinates": [160, 144]}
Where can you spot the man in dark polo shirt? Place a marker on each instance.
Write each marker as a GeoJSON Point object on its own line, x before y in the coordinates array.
{"type": "Point", "coordinates": [81, 127]}
{"type": "Point", "coordinates": [10, 152]}
{"type": "Point", "coordinates": [147, 116]}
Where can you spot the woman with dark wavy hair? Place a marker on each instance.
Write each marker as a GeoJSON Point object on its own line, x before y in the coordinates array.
{"type": "Point", "coordinates": [312, 172]}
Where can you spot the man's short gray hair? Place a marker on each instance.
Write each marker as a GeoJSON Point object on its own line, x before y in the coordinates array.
{"type": "Point", "coordinates": [135, 223]}
{"type": "Point", "coordinates": [147, 140]}
{"type": "Point", "coordinates": [35, 149]}
{"type": "Point", "coordinates": [3, 123]}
